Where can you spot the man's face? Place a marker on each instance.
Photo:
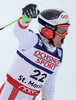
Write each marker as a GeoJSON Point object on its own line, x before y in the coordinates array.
{"type": "Point", "coordinates": [58, 40]}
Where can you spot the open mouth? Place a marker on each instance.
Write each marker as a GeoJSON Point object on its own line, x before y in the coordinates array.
{"type": "Point", "coordinates": [62, 40]}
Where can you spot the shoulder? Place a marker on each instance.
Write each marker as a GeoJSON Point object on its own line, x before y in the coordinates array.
{"type": "Point", "coordinates": [30, 38]}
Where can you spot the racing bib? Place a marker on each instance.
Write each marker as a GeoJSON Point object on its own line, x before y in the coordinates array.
{"type": "Point", "coordinates": [33, 67]}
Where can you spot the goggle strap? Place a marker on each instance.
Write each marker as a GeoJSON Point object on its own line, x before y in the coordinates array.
{"type": "Point", "coordinates": [46, 24]}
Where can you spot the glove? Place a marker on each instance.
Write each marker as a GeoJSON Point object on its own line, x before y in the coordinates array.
{"type": "Point", "coordinates": [30, 11]}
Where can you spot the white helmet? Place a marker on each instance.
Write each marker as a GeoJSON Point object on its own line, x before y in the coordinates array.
{"type": "Point", "coordinates": [50, 19]}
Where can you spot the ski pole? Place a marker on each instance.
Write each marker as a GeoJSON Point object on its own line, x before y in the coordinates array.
{"type": "Point", "coordinates": [10, 23]}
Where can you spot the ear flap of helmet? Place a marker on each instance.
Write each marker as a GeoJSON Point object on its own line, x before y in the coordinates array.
{"type": "Point", "coordinates": [48, 33]}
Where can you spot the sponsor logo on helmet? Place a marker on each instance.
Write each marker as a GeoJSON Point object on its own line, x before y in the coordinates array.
{"type": "Point", "coordinates": [64, 16]}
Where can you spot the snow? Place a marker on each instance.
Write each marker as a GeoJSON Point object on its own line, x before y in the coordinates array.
{"type": "Point", "coordinates": [11, 10]}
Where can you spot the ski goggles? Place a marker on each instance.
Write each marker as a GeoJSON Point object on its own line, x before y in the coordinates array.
{"type": "Point", "coordinates": [62, 30]}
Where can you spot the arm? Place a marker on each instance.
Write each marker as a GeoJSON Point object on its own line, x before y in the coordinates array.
{"type": "Point", "coordinates": [49, 88]}
{"type": "Point", "coordinates": [21, 31]}
{"type": "Point", "coordinates": [28, 13]}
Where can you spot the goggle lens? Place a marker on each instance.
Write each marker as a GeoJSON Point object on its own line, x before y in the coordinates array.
{"type": "Point", "coordinates": [62, 30]}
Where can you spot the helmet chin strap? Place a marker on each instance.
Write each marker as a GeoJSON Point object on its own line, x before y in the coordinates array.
{"type": "Point", "coordinates": [48, 43]}
{"type": "Point", "coordinates": [51, 40]}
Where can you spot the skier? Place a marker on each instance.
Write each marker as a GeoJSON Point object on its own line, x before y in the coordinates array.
{"type": "Point", "coordinates": [38, 57]}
